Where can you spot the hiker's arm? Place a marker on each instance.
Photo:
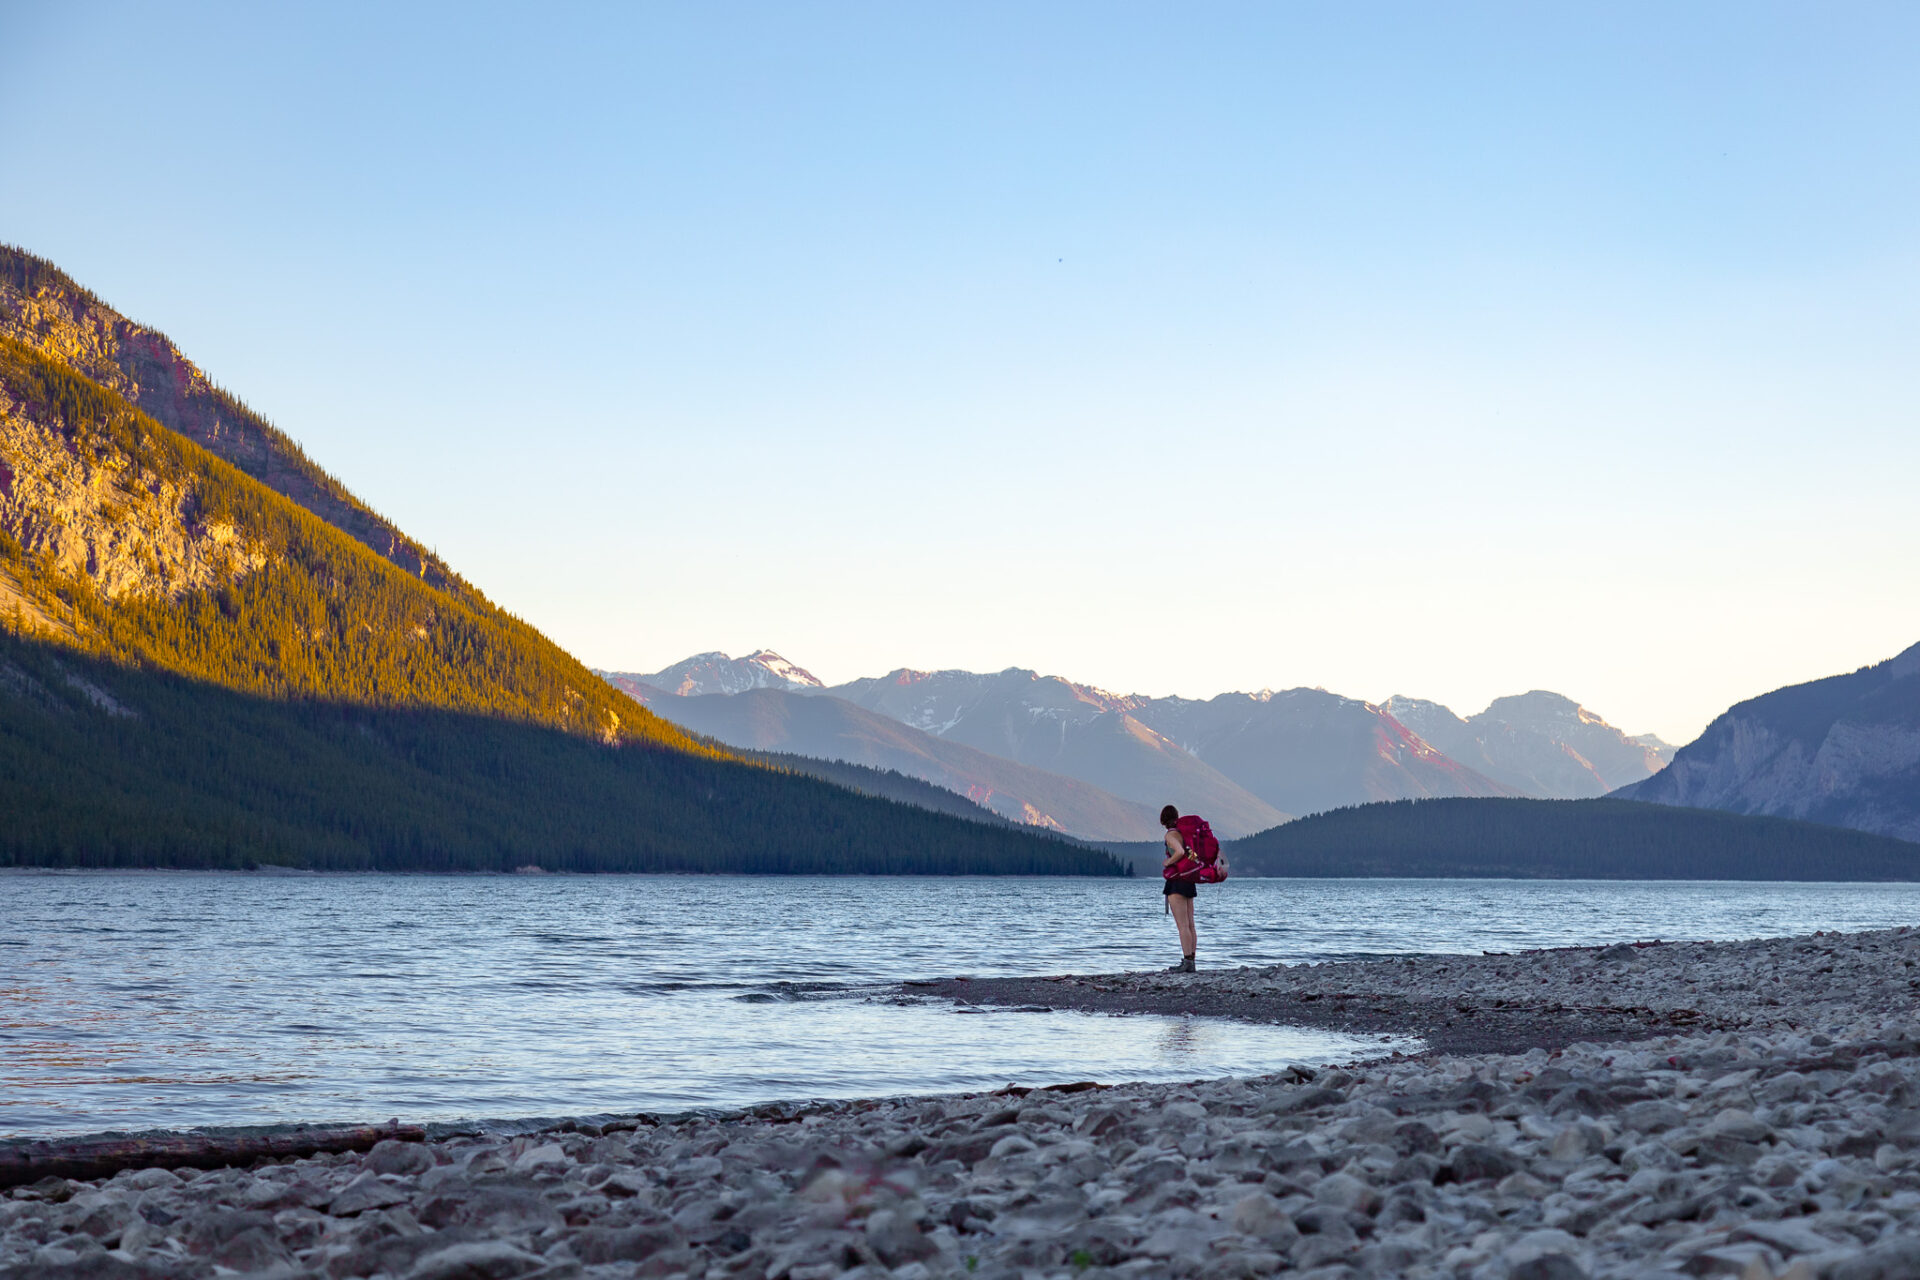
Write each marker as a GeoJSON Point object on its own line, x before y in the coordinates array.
{"type": "Point", "coordinates": [1176, 847]}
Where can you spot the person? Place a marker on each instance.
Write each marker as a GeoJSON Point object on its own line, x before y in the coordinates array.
{"type": "Point", "coordinates": [1180, 893]}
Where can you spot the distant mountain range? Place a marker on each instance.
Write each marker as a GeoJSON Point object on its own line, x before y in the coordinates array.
{"type": "Point", "coordinates": [834, 729]}
{"type": "Point", "coordinates": [1307, 750]}
{"type": "Point", "coordinates": [716, 673]}
{"type": "Point", "coordinates": [1246, 761]}
{"type": "Point", "coordinates": [1537, 744]}
{"type": "Point", "coordinates": [1844, 750]}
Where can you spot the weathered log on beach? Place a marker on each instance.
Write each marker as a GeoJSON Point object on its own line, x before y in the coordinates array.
{"type": "Point", "coordinates": [22, 1163]}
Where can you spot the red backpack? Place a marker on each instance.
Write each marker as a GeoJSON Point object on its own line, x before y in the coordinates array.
{"type": "Point", "coordinates": [1202, 864]}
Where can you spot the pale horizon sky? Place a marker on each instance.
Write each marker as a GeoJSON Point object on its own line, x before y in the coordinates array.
{"type": "Point", "coordinates": [1390, 348]}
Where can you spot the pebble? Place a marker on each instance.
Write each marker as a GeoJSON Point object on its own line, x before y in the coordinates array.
{"type": "Point", "coordinates": [1778, 1138]}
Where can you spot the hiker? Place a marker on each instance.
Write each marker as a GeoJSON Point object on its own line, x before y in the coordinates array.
{"type": "Point", "coordinates": [1193, 858]}
{"type": "Point", "coordinates": [1180, 891]}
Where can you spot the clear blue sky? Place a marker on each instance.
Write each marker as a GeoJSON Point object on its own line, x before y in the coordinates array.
{"type": "Point", "coordinates": [1441, 350]}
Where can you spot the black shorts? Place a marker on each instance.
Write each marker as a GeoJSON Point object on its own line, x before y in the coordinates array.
{"type": "Point", "coordinates": [1182, 887]}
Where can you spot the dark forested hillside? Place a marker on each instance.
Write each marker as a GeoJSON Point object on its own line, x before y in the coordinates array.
{"type": "Point", "coordinates": [1567, 839]}
{"type": "Point", "coordinates": [105, 766]}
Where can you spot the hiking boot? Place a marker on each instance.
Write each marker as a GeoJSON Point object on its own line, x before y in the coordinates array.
{"type": "Point", "coordinates": [1185, 965]}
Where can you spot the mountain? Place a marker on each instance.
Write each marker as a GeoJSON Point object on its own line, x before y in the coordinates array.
{"type": "Point", "coordinates": [1307, 750]}
{"type": "Point", "coordinates": [1603, 839]}
{"type": "Point", "coordinates": [1064, 728]}
{"type": "Point", "coordinates": [831, 728]}
{"type": "Point", "coordinates": [1537, 744]}
{"type": "Point", "coordinates": [1844, 750]}
{"type": "Point", "coordinates": [202, 670]}
{"type": "Point", "coordinates": [707, 673]}
{"type": "Point", "coordinates": [43, 309]}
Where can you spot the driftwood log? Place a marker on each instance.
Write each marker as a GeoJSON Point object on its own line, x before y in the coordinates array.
{"type": "Point", "coordinates": [22, 1163]}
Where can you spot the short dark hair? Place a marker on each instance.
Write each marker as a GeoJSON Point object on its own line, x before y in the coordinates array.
{"type": "Point", "coordinates": [1169, 816]}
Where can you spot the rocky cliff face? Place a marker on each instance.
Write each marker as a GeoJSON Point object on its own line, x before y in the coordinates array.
{"type": "Point", "coordinates": [103, 515]}
{"type": "Point", "coordinates": [123, 539]}
{"type": "Point", "coordinates": [43, 308]}
{"type": "Point", "coordinates": [1844, 750]}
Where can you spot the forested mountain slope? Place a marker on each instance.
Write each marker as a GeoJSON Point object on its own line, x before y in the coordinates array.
{"type": "Point", "coordinates": [1843, 750]}
{"type": "Point", "coordinates": [132, 542]}
{"type": "Point", "coordinates": [284, 684]}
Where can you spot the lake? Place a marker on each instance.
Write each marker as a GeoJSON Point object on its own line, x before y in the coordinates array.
{"type": "Point", "coordinates": [172, 999]}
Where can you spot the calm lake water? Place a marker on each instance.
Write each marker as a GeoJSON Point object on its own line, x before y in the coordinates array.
{"type": "Point", "coordinates": [178, 999]}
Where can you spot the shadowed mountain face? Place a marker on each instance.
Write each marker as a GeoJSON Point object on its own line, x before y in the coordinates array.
{"type": "Point", "coordinates": [1844, 750]}
{"type": "Point", "coordinates": [1065, 728]}
{"type": "Point", "coordinates": [831, 728]}
{"type": "Point", "coordinates": [1538, 744]}
{"type": "Point", "coordinates": [1306, 750]}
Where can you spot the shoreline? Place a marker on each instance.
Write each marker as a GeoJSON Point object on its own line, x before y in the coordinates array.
{"type": "Point", "coordinates": [1445, 1026]}
{"type": "Point", "coordinates": [1775, 1133]}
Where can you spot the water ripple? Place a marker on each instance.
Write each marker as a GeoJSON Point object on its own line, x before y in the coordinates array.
{"type": "Point", "coordinates": [144, 1000]}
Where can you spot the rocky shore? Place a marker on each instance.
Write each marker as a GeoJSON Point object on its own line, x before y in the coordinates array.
{"type": "Point", "coordinates": [1744, 1109]}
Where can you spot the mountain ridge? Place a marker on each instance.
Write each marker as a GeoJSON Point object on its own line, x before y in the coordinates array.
{"type": "Point", "coordinates": [830, 728]}
{"type": "Point", "coordinates": [1293, 751]}
{"type": "Point", "coordinates": [44, 308]}
{"type": "Point", "coordinates": [1540, 744]}
{"type": "Point", "coordinates": [1843, 750]}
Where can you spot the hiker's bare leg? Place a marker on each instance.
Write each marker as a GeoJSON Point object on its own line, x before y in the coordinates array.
{"type": "Point", "coordinates": [1183, 921]}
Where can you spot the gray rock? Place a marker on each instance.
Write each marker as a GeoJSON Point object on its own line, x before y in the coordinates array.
{"type": "Point", "coordinates": [1894, 1260]}
{"type": "Point", "coordinates": [1259, 1215]}
{"type": "Point", "coordinates": [365, 1192]}
{"type": "Point", "coordinates": [504, 1210]}
{"type": "Point", "coordinates": [1344, 1191]}
{"type": "Point", "coordinates": [1789, 1237]}
{"type": "Point", "coordinates": [1477, 1161]}
{"type": "Point", "coordinates": [897, 1238]}
{"type": "Point", "coordinates": [255, 1249]}
{"type": "Point", "coordinates": [476, 1260]}
{"type": "Point", "coordinates": [1548, 1266]}
{"type": "Point", "coordinates": [394, 1156]}
{"type": "Point", "coordinates": [1652, 1116]}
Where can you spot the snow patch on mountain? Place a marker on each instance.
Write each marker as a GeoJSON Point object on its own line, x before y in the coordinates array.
{"type": "Point", "coordinates": [717, 673]}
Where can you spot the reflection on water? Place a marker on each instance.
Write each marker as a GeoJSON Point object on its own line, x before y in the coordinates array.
{"type": "Point", "coordinates": [1179, 1038]}
{"type": "Point", "coordinates": [142, 1000]}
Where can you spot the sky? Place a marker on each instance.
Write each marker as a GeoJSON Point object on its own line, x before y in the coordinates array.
{"type": "Point", "coordinates": [1449, 351]}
